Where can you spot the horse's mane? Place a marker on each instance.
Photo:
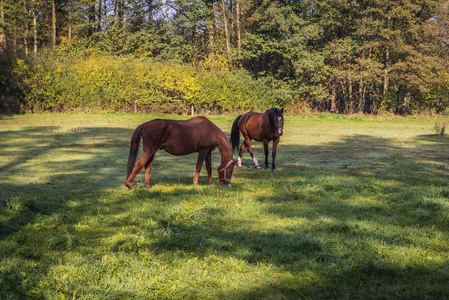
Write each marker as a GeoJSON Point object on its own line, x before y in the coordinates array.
{"type": "Point", "coordinates": [271, 113]}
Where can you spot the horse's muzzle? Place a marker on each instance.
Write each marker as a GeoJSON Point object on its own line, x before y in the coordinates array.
{"type": "Point", "coordinates": [225, 182]}
{"type": "Point", "coordinates": [280, 129]}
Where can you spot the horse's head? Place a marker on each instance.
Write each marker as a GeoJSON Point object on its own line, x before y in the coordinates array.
{"type": "Point", "coordinates": [225, 172]}
{"type": "Point", "coordinates": [276, 117]}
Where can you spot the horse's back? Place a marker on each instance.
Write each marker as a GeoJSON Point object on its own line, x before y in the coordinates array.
{"type": "Point", "coordinates": [187, 136]}
{"type": "Point", "coordinates": [251, 118]}
{"type": "Point", "coordinates": [199, 126]}
{"type": "Point", "coordinates": [162, 125]}
{"type": "Point", "coordinates": [199, 120]}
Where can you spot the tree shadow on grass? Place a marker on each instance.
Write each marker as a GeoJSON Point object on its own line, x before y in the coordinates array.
{"type": "Point", "coordinates": [409, 191]}
{"type": "Point", "coordinates": [297, 250]}
{"type": "Point", "coordinates": [73, 163]}
{"type": "Point", "coordinates": [316, 188]}
{"type": "Point", "coordinates": [438, 138]}
{"type": "Point", "coordinates": [362, 167]}
{"type": "Point", "coordinates": [47, 167]}
{"type": "Point", "coordinates": [366, 280]}
{"type": "Point", "coordinates": [53, 178]}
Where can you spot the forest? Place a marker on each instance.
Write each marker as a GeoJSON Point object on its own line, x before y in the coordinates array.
{"type": "Point", "coordinates": [370, 56]}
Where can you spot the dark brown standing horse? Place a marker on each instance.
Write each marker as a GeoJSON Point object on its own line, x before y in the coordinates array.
{"type": "Point", "coordinates": [264, 128]}
{"type": "Point", "coordinates": [180, 138]}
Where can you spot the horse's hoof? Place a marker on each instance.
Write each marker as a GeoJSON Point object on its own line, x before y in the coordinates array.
{"type": "Point", "coordinates": [257, 167]}
{"type": "Point", "coordinates": [267, 168]}
{"type": "Point", "coordinates": [129, 185]}
{"type": "Point", "coordinates": [274, 170]}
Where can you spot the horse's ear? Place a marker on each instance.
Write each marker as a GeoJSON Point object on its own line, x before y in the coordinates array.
{"type": "Point", "coordinates": [282, 110]}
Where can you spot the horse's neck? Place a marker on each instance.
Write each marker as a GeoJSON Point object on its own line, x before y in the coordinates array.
{"type": "Point", "coordinates": [225, 149]}
{"type": "Point", "coordinates": [265, 122]}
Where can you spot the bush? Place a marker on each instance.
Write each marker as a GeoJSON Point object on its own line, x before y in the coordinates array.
{"type": "Point", "coordinates": [232, 91]}
{"type": "Point", "coordinates": [13, 88]}
{"type": "Point", "coordinates": [117, 83]}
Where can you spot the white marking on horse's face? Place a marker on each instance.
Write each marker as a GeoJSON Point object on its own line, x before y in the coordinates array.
{"type": "Point", "coordinates": [279, 118]}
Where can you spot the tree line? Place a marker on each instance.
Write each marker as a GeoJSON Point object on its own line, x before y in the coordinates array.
{"type": "Point", "coordinates": [358, 56]}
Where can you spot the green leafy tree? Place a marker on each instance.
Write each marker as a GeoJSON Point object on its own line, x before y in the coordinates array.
{"type": "Point", "coordinates": [338, 56]}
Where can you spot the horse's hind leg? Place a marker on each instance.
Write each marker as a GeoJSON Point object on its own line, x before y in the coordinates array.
{"type": "Point", "coordinates": [250, 151]}
{"type": "Point", "coordinates": [137, 167]}
{"type": "Point", "coordinates": [144, 160]}
{"type": "Point", "coordinates": [148, 167]}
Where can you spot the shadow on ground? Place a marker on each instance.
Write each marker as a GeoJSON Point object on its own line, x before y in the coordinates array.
{"type": "Point", "coordinates": [50, 173]}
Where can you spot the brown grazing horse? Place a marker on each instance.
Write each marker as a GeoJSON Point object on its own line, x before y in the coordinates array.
{"type": "Point", "coordinates": [264, 128]}
{"type": "Point", "coordinates": [180, 138]}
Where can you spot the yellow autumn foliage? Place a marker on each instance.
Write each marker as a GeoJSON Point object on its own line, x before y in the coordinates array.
{"type": "Point", "coordinates": [117, 83]}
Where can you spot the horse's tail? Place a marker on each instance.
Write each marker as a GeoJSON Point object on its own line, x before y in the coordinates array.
{"type": "Point", "coordinates": [135, 141]}
{"type": "Point", "coordinates": [235, 134]}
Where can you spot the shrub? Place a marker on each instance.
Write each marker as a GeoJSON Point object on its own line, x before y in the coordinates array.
{"type": "Point", "coordinates": [13, 73]}
{"type": "Point", "coordinates": [117, 83]}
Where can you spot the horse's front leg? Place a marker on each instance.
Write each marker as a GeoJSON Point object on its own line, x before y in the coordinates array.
{"type": "Point", "coordinates": [148, 167]}
{"type": "Point", "coordinates": [275, 144]}
{"type": "Point", "coordinates": [241, 151]}
{"type": "Point", "coordinates": [199, 163]}
{"type": "Point", "coordinates": [265, 148]}
{"type": "Point", "coordinates": [209, 167]}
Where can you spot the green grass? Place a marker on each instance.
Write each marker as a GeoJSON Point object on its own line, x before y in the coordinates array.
{"type": "Point", "coordinates": [359, 209]}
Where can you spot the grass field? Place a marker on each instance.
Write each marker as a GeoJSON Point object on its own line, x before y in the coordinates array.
{"type": "Point", "coordinates": [359, 209]}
